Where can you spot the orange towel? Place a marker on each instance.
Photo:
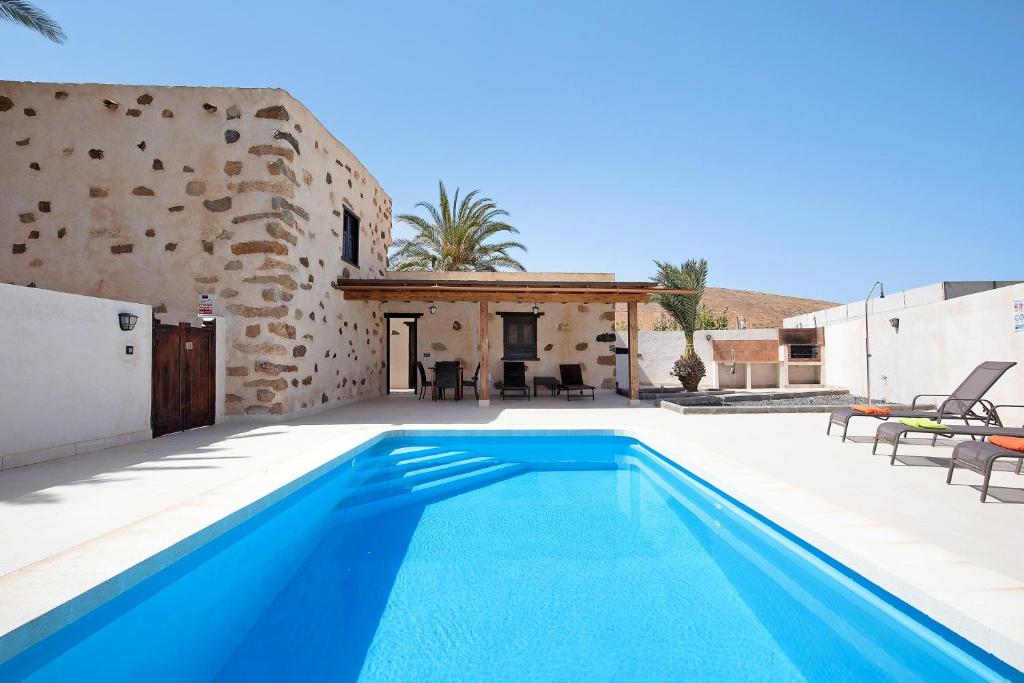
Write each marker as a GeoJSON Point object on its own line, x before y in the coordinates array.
{"type": "Point", "coordinates": [1010, 443]}
{"type": "Point", "coordinates": [871, 410]}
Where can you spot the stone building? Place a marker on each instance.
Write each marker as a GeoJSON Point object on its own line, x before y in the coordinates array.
{"type": "Point", "coordinates": [160, 194]}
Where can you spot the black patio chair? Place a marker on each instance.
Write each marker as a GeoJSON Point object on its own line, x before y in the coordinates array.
{"type": "Point", "coordinates": [447, 377]}
{"type": "Point", "coordinates": [472, 381]}
{"type": "Point", "coordinates": [423, 379]}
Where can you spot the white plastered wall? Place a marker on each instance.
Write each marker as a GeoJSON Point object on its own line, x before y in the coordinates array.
{"type": "Point", "coordinates": [937, 345]}
{"type": "Point", "coordinates": [67, 385]}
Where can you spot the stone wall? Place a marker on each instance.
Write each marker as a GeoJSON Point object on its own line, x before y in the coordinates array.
{"type": "Point", "coordinates": [566, 333]}
{"type": "Point", "coordinates": [159, 194]}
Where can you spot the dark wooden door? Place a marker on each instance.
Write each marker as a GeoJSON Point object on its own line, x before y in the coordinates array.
{"type": "Point", "coordinates": [184, 388]}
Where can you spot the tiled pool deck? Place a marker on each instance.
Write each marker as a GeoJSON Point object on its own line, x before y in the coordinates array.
{"type": "Point", "coordinates": [69, 525]}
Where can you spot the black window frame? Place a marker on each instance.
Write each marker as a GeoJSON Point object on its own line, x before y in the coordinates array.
{"type": "Point", "coordinates": [523, 350]}
{"type": "Point", "coordinates": [350, 237]}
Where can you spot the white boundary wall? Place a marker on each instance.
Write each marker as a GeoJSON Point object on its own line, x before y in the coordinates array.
{"type": "Point", "coordinates": [66, 384]}
{"type": "Point", "coordinates": [938, 343]}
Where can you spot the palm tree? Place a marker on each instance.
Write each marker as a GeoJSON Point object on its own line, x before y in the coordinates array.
{"type": "Point", "coordinates": [455, 235]}
{"type": "Point", "coordinates": [30, 16]}
{"type": "Point", "coordinates": [685, 309]}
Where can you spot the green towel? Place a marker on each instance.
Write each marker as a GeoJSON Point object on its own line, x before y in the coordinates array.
{"type": "Point", "coordinates": [922, 423]}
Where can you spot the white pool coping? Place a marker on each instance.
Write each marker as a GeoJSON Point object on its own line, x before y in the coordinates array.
{"type": "Point", "coordinates": [980, 603]}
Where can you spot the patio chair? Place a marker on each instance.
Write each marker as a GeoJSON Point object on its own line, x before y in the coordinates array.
{"type": "Point", "coordinates": [423, 379]}
{"type": "Point", "coordinates": [966, 403]}
{"type": "Point", "coordinates": [447, 377]}
{"type": "Point", "coordinates": [572, 381]}
{"type": "Point", "coordinates": [514, 381]}
{"type": "Point", "coordinates": [981, 456]}
{"type": "Point", "coordinates": [892, 432]}
{"type": "Point", "coordinates": [472, 381]}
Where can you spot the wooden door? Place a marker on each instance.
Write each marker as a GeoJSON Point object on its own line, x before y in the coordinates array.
{"type": "Point", "coordinates": [200, 409]}
{"type": "Point", "coordinates": [184, 388]}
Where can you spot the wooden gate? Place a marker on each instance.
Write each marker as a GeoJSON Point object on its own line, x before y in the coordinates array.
{"type": "Point", "coordinates": [184, 387]}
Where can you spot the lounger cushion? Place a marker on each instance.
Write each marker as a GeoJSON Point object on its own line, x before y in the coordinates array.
{"type": "Point", "coordinates": [871, 410]}
{"type": "Point", "coordinates": [1010, 443]}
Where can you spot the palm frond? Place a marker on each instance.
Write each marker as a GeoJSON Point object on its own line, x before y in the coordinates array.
{"type": "Point", "coordinates": [455, 235]}
{"type": "Point", "coordinates": [31, 17]}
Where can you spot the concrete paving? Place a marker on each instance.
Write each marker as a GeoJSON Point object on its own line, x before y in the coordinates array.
{"type": "Point", "coordinates": [69, 525]}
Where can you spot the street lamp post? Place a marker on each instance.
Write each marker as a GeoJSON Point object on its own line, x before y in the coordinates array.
{"type": "Point", "coordinates": [867, 337]}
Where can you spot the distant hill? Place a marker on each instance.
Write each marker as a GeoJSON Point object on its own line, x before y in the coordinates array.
{"type": "Point", "coordinates": [761, 310]}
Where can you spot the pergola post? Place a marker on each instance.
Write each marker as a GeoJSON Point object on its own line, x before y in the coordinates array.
{"type": "Point", "coordinates": [634, 362]}
{"type": "Point", "coordinates": [484, 342]}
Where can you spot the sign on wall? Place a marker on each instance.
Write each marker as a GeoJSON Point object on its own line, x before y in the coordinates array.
{"type": "Point", "coordinates": [205, 307]}
{"type": "Point", "coordinates": [1018, 315]}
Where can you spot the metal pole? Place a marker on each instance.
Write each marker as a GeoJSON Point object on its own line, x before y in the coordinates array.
{"type": "Point", "coordinates": [867, 336]}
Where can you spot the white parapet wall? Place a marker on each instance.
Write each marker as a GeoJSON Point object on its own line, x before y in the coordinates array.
{"type": "Point", "coordinates": [937, 343]}
{"type": "Point", "coordinates": [67, 384]}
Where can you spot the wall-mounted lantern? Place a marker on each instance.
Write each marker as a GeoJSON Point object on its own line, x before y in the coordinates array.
{"type": "Point", "coordinates": [536, 309]}
{"type": "Point", "coordinates": [895, 322]}
{"type": "Point", "coordinates": [433, 308]}
{"type": "Point", "coordinates": [127, 321]}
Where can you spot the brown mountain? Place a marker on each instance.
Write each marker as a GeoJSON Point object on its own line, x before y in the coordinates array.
{"type": "Point", "coordinates": [760, 309]}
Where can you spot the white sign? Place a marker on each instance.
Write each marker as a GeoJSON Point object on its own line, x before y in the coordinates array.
{"type": "Point", "coordinates": [205, 307]}
{"type": "Point", "coordinates": [1018, 315]}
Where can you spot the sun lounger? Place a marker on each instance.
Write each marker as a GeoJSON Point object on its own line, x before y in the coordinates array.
{"type": "Point", "coordinates": [966, 403]}
{"type": "Point", "coordinates": [980, 456]}
{"type": "Point", "coordinates": [514, 381]}
{"type": "Point", "coordinates": [892, 432]}
{"type": "Point", "coordinates": [572, 382]}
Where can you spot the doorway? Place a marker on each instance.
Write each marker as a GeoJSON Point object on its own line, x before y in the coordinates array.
{"type": "Point", "coordinates": [184, 388]}
{"type": "Point", "coordinates": [401, 352]}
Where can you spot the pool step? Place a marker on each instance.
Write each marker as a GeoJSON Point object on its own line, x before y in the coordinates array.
{"type": "Point", "coordinates": [364, 501]}
{"type": "Point", "coordinates": [401, 468]}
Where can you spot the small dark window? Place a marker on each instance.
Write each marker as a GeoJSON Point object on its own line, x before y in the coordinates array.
{"type": "Point", "coordinates": [350, 238]}
{"type": "Point", "coordinates": [520, 334]}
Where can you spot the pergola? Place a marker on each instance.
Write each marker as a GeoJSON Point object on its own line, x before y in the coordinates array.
{"type": "Point", "coordinates": [485, 292]}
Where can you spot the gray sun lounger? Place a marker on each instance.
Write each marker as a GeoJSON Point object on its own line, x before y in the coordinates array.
{"type": "Point", "coordinates": [980, 456]}
{"type": "Point", "coordinates": [892, 432]}
{"type": "Point", "coordinates": [967, 402]}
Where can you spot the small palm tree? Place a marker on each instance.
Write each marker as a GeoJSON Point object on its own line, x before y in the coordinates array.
{"type": "Point", "coordinates": [455, 236]}
{"type": "Point", "coordinates": [685, 309]}
{"type": "Point", "coordinates": [30, 16]}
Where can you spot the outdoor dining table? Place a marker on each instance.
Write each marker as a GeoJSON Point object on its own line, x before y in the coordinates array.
{"type": "Point", "coordinates": [433, 383]}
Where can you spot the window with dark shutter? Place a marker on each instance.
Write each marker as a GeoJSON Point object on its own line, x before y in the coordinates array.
{"type": "Point", "coordinates": [350, 238]}
{"type": "Point", "coordinates": [520, 336]}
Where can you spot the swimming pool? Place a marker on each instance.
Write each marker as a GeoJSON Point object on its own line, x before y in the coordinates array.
{"type": "Point", "coordinates": [436, 556]}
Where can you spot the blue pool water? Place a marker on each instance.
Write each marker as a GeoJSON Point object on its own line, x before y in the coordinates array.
{"type": "Point", "coordinates": [431, 558]}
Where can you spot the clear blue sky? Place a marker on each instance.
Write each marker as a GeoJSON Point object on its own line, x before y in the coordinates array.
{"type": "Point", "coordinates": [804, 148]}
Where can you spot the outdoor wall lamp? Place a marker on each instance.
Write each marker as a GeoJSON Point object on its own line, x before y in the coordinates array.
{"type": "Point", "coordinates": [867, 339]}
{"type": "Point", "coordinates": [127, 321]}
{"type": "Point", "coordinates": [433, 308]}
{"type": "Point", "coordinates": [536, 309]}
{"type": "Point", "coordinates": [895, 322]}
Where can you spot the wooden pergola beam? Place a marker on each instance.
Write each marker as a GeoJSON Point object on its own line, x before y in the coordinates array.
{"type": "Point", "coordinates": [497, 297]}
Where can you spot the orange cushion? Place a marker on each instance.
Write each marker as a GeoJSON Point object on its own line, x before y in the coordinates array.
{"type": "Point", "coordinates": [871, 410]}
{"type": "Point", "coordinates": [1010, 443]}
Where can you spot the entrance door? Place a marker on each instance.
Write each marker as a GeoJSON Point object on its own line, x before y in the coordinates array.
{"type": "Point", "coordinates": [184, 387]}
{"type": "Point", "coordinates": [401, 353]}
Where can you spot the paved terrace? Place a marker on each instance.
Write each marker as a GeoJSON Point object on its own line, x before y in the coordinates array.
{"type": "Point", "coordinates": [68, 525]}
